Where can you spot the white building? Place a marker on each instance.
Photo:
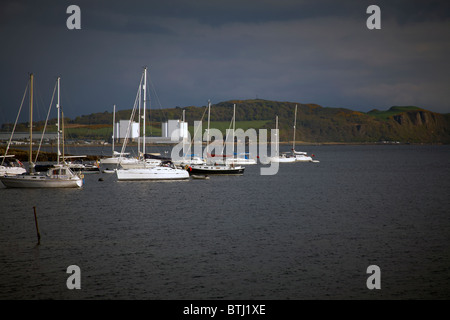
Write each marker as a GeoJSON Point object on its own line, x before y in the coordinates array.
{"type": "Point", "coordinates": [122, 127]}
{"type": "Point", "coordinates": [176, 130]}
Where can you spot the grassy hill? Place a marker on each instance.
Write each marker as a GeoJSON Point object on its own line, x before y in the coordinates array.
{"type": "Point", "coordinates": [314, 123]}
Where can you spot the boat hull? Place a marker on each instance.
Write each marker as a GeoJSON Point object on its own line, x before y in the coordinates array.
{"type": "Point", "coordinates": [303, 158]}
{"type": "Point", "coordinates": [110, 160]}
{"type": "Point", "coordinates": [156, 173]}
{"type": "Point", "coordinates": [282, 159]}
{"type": "Point", "coordinates": [39, 181]}
{"type": "Point", "coordinates": [215, 170]}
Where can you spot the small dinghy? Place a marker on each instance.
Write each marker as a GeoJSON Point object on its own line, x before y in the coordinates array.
{"type": "Point", "coordinates": [199, 176]}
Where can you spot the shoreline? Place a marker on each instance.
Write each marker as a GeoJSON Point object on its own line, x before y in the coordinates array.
{"type": "Point", "coordinates": [21, 153]}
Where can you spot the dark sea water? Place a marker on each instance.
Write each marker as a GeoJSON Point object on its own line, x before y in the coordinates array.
{"type": "Point", "coordinates": [308, 232]}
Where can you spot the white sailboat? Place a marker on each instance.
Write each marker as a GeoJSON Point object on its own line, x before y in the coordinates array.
{"type": "Point", "coordinates": [59, 176]}
{"type": "Point", "coordinates": [293, 156]}
{"type": "Point", "coordinates": [142, 162]}
{"type": "Point", "coordinates": [282, 157]}
{"type": "Point", "coordinates": [154, 173]}
{"type": "Point", "coordinates": [147, 168]}
{"type": "Point", "coordinates": [299, 155]}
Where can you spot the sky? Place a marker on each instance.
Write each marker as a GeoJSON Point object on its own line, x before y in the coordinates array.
{"type": "Point", "coordinates": [285, 50]}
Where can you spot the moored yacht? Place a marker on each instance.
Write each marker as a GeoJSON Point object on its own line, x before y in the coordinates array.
{"type": "Point", "coordinates": [154, 173]}
{"type": "Point", "coordinates": [149, 166]}
{"type": "Point", "coordinates": [293, 156]}
{"type": "Point", "coordinates": [215, 168]}
{"type": "Point", "coordinates": [59, 176]}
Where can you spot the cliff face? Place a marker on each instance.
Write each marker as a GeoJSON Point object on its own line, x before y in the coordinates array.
{"type": "Point", "coordinates": [404, 124]}
{"type": "Point", "coordinates": [417, 118]}
{"type": "Point", "coordinates": [421, 126]}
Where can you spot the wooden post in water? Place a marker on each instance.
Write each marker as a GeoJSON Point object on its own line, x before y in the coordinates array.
{"type": "Point", "coordinates": [37, 227]}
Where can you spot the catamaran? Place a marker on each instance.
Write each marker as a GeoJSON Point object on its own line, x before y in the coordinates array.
{"type": "Point", "coordinates": [58, 176]}
{"type": "Point", "coordinates": [293, 156]}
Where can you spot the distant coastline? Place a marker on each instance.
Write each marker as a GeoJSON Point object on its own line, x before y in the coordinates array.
{"type": "Point", "coordinates": [315, 124]}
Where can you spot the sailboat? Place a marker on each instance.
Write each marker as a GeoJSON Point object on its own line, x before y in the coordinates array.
{"type": "Point", "coordinates": [215, 169]}
{"type": "Point", "coordinates": [282, 157]}
{"type": "Point", "coordinates": [238, 158]}
{"type": "Point", "coordinates": [114, 159]}
{"type": "Point", "coordinates": [187, 159]}
{"type": "Point", "coordinates": [148, 168]}
{"type": "Point", "coordinates": [59, 176]}
{"type": "Point", "coordinates": [299, 155]}
{"type": "Point", "coordinates": [293, 156]}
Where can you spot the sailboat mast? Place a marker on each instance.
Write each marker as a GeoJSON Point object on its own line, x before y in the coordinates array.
{"type": "Point", "coordinates": [295, 122]}
{"type": "Point", "coordinates": [139, 117]}
{"type": "Point", "coordinates": [57, 125]}
{"type": "Point", "coordinates": [234, 127]}
{"type": "Point", "coordinates": [31, 119]}
{"type": "Point", "coordinates": [62, 131]}
{"type": "Point", "coordinates": [114, 122]}
{"type": "Point", "coordinates": [234, 117]}
{"type": "Point", "coordinates": [183, 133]}
{"type": "Point", "coordinates": [276, 130]}
{"type": "Point", "coordinates": [207, 136]}
{"type": "Point", "coordinates": [145, 101]}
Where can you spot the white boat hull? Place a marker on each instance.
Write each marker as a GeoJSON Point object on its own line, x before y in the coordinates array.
{"type": "Point", "coordinates": [155, 173]}
{"type": "Point", "coordinates": [282, 159]}
{"type": "Point", "coordinates": [110, 161]}
{"type": "Point", "coordinates": [292, 158]}
{"type": "Point", "coordinates": [40, 181]}
{"type": "Point", "coordinates": [303, 158]}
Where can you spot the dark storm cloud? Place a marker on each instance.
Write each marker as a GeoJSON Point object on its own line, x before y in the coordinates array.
{"type": "Point", "coordinates": [304, 51]}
